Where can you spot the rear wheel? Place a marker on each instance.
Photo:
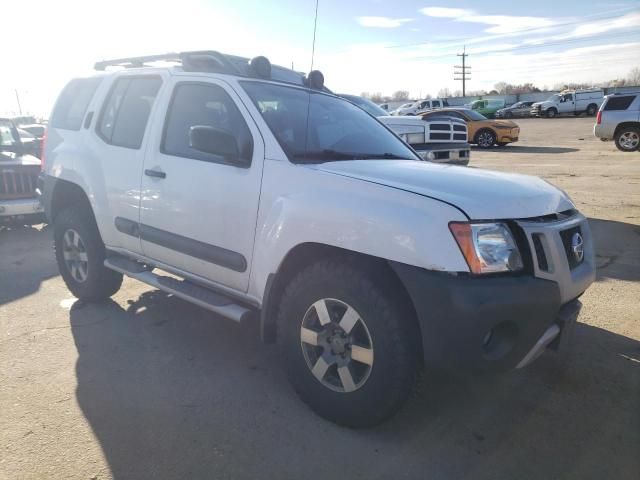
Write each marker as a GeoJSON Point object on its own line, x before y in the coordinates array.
{"type": "Point", "coordinates": [628, 139]}
{"type": "Point", "coordinates": [80, 254]}
{"type": "Point", "coordinates": [347, 344]}
{"type": "Point", "coordinates": [592, 109]}
{"type": "Point", "coordinates": [485, 138]}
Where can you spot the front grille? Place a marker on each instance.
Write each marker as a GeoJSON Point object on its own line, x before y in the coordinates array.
{"type": "Point", "coordinates": [567, 236]}
{"type": "Point", "coordinates": [441, 155]}
{"type": "Point", "coordinates": [18, 181]}
{"type": "Point", "coordinates": [447, 131]}
{"type": "Point", "coordinates": [541, 257]}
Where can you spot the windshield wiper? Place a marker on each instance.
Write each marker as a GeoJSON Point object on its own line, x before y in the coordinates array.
{"type": "Point", "coordinates": [328, 155]}
{"type": "Point", "coordinates": [376, 156]}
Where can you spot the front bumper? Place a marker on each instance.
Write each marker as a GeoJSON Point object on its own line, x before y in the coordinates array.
{"type": "Point", "coordinates": [480, 324]}
{"type": "Point", "coordinates": [19, 208]}
{"type": "Point", "coordinates": [501, 322]}
{"type": "Point", "coordinates": [508, 136]}
{"type": "Point", "coordinates": [449, 153]}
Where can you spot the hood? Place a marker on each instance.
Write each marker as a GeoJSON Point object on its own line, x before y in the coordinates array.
{"type": "Point", "coordinates": [13, 159]}
{"type": "Point", "coordinates": [481, 194]}
{"type": "Point", "coordinates": [536, 104]}
{"type": "Point", "coordinates": [504, 123]}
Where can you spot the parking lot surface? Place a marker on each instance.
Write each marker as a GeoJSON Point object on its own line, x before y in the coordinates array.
{"type": "Point", "coordinates": [148, 386]}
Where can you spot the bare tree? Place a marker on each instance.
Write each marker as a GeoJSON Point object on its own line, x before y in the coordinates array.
{"type": "Point", "coordinates": [633, 78]}
{"type": "Point", "coordinates": [502, 88]}
{"type": "Point", "coordinates": [444, 93]}
{"type": "Point", "coordinates": [377, 97]}
{"type": "Point", "coordinates": [400, 95]}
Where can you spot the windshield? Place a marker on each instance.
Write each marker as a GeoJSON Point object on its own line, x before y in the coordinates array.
{"type": "Point", "coordinates": [554, 98]}
{"type": "Point", "coordinates": [312, 126]}
{"type": "Point", "coordinates": [7, 134]}
{"type": "Point", "coordinates": [475, 115]}
{"type": "Point", "coordinates": [366, 105]}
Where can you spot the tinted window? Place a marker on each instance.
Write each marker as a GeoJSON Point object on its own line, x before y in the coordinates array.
{"type": "Point", "coordinates": [73, 102]}
{"type": "Point", "coordinates": [436, 104]}
{"type": "Point", "coordinates": [203, 105]}
{"type": "Point", "coordinates": [619, 103]}
{"type": "Point", "coordinates": [315, 127]}
{"type": "Point", "coordinates": [126, 111]}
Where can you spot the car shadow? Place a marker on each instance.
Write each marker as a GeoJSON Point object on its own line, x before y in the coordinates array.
{"type": "Point", "coordinates": [26, 261]}
{"type": "Point", "coordinates": [172, 391]}
{"type": "Point", "coordinates": [510, 148]}
{"type": "Point", "coordinates": [617, 246]}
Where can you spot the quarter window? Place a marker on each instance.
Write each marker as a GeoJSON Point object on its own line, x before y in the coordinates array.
{"type": "Point", "coordinates": [125, 114]}
{"type": "Point", "coordinates": [196, 104]}
{"type": "Point", "coordinates": [73, 102]}
{"type": "Point", "coordinates": [619, 103]}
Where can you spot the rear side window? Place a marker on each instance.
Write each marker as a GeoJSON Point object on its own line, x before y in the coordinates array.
{"type": "Point", "coordinates": [73, 102]}
{"type": "Point", "coordinates": [206, 105]}
{"type": "Point", "coordinates": [436, 104]}
{"type": "Point", "coordinates": [619, 103]}
{"type": "Point", "coordinates": [125, 113]}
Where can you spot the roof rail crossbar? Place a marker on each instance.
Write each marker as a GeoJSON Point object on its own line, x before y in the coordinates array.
{"type": "Point", "coordinates": [136, 62]}
{"type": "Point", "coordinates": [195, 61]}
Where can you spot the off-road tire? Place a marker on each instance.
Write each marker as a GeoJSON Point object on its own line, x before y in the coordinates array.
{"type": "Point", "coordinates": [395, 356]}
{"type": "Point", "coordinates": [100, 282]}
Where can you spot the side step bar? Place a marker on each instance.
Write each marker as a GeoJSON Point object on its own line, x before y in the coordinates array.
{"type": "Point", "coordinates": [184, 289]}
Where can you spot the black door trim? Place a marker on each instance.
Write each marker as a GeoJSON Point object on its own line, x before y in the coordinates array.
{"type": "Point", "coordinates": [188, 246]}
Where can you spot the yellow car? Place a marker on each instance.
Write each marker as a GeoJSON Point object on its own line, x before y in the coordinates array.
{"type": "Point", "coordinates": [483, 132]}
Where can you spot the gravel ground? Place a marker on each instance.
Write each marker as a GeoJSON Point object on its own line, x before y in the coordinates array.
{"type": "Point", "coordinates": [148, 386]}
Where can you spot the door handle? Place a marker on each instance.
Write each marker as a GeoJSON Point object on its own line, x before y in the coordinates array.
{"type": "Point", "coordinates": [155, 173]}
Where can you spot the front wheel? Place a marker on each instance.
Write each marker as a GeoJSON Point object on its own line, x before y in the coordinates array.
{"type": "Point", "coordinates": [628, 139]}
{"type": "Point", "coordinates": [80, 254]}
{"type": "Point", "coordinates": [485, 138]}
{"type": "Point", "coordinates": [348, 344]}
{"type": "Point", "coordinates": [551, 113]}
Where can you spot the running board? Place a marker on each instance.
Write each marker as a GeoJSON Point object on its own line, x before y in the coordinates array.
{"type": "Point", "coordinates": [184, 289]}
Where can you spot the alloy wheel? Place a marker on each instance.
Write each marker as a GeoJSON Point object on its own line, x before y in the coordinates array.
{"type": "Point", "coordinates": [629, 140]}
{"type": "Point", "coordinates": [336, 345]}
{"type": "Point", "coordinates": [485, 139]}
{"type": "Point", "coordinates": [75, 255]}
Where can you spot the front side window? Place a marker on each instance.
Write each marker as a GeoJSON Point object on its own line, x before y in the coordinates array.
{"type": "Point", "coordinates": [312, 126]}
{"type": "Point", "coordinates": [125, 114]}
{"type": "Point", "coordinates": [197, 104]}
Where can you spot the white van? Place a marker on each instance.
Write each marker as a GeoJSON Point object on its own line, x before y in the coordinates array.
{"type": "Point", "coordinates": [421, 106]}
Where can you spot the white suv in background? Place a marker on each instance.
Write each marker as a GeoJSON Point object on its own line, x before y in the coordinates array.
{"type": "Point", "coordinates": [421, 106]}
{"type": "Point", "coordinates": [270, 200]}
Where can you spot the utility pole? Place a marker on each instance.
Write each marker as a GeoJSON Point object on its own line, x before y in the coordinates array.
{"type": "Point", "coordinates": [18, 100]}
{"type": "Point", "coordinates": [462, 71]}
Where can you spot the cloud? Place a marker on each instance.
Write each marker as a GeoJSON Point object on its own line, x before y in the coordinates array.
{"type": "Point", "coordinates": [382, 22]}
{"type": "Point", "coordinates": [499, 24]}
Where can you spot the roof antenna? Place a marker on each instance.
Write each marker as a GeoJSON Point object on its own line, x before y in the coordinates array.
{"type": "Point", "coordinates": [313, 46]}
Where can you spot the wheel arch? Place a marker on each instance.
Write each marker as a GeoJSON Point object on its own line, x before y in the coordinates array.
{"type": "Point", "coordinates": [64, 194]}
{"type": "Point", "coordinates": [624, 125]}
{"type": "Point", "coordinates": [305, 254]}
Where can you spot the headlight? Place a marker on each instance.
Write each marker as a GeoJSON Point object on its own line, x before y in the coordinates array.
{"type": "Point", "coordinates": [487, 247]}
{"type": "Point", "coordinates": [414, 138]}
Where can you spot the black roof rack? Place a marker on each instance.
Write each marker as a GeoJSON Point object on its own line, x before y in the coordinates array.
{"type": "Point", "coordinates": [215, 62]}
{"type": "Point", "coordinates": [196, 61]}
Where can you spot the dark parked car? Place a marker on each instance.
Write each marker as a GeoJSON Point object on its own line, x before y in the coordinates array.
{"type": "Point", "coordinates": [518, 109]}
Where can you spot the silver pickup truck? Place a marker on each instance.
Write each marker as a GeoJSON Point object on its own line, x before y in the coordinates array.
{"type": "Point", "coordinates": [619, 120]}
{"type": "Point", "coordinates": [19, 172]}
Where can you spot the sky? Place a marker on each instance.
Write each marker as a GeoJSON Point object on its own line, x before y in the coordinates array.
{"type": "Point", "coordinates": [361, 45]}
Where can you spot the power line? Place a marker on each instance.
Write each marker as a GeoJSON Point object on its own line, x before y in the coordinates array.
{"type": "Point", "coordinates": [463, 71]}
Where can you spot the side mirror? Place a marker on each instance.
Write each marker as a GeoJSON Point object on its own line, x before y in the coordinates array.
{"type": "Point", "coordinates": [216, 142]}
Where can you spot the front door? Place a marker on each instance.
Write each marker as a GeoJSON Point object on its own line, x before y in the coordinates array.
{"type": "Point", "coordinates": [198, 211]}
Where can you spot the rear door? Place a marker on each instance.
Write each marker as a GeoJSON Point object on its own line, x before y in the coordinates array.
{"type": "Point", "coordinates": [198, 211]}
{"type": "Point", "coordinates": [119, 141]}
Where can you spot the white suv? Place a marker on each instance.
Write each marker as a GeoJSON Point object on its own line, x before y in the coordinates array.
{"type": "Point", "coordinates": [270, 200]}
